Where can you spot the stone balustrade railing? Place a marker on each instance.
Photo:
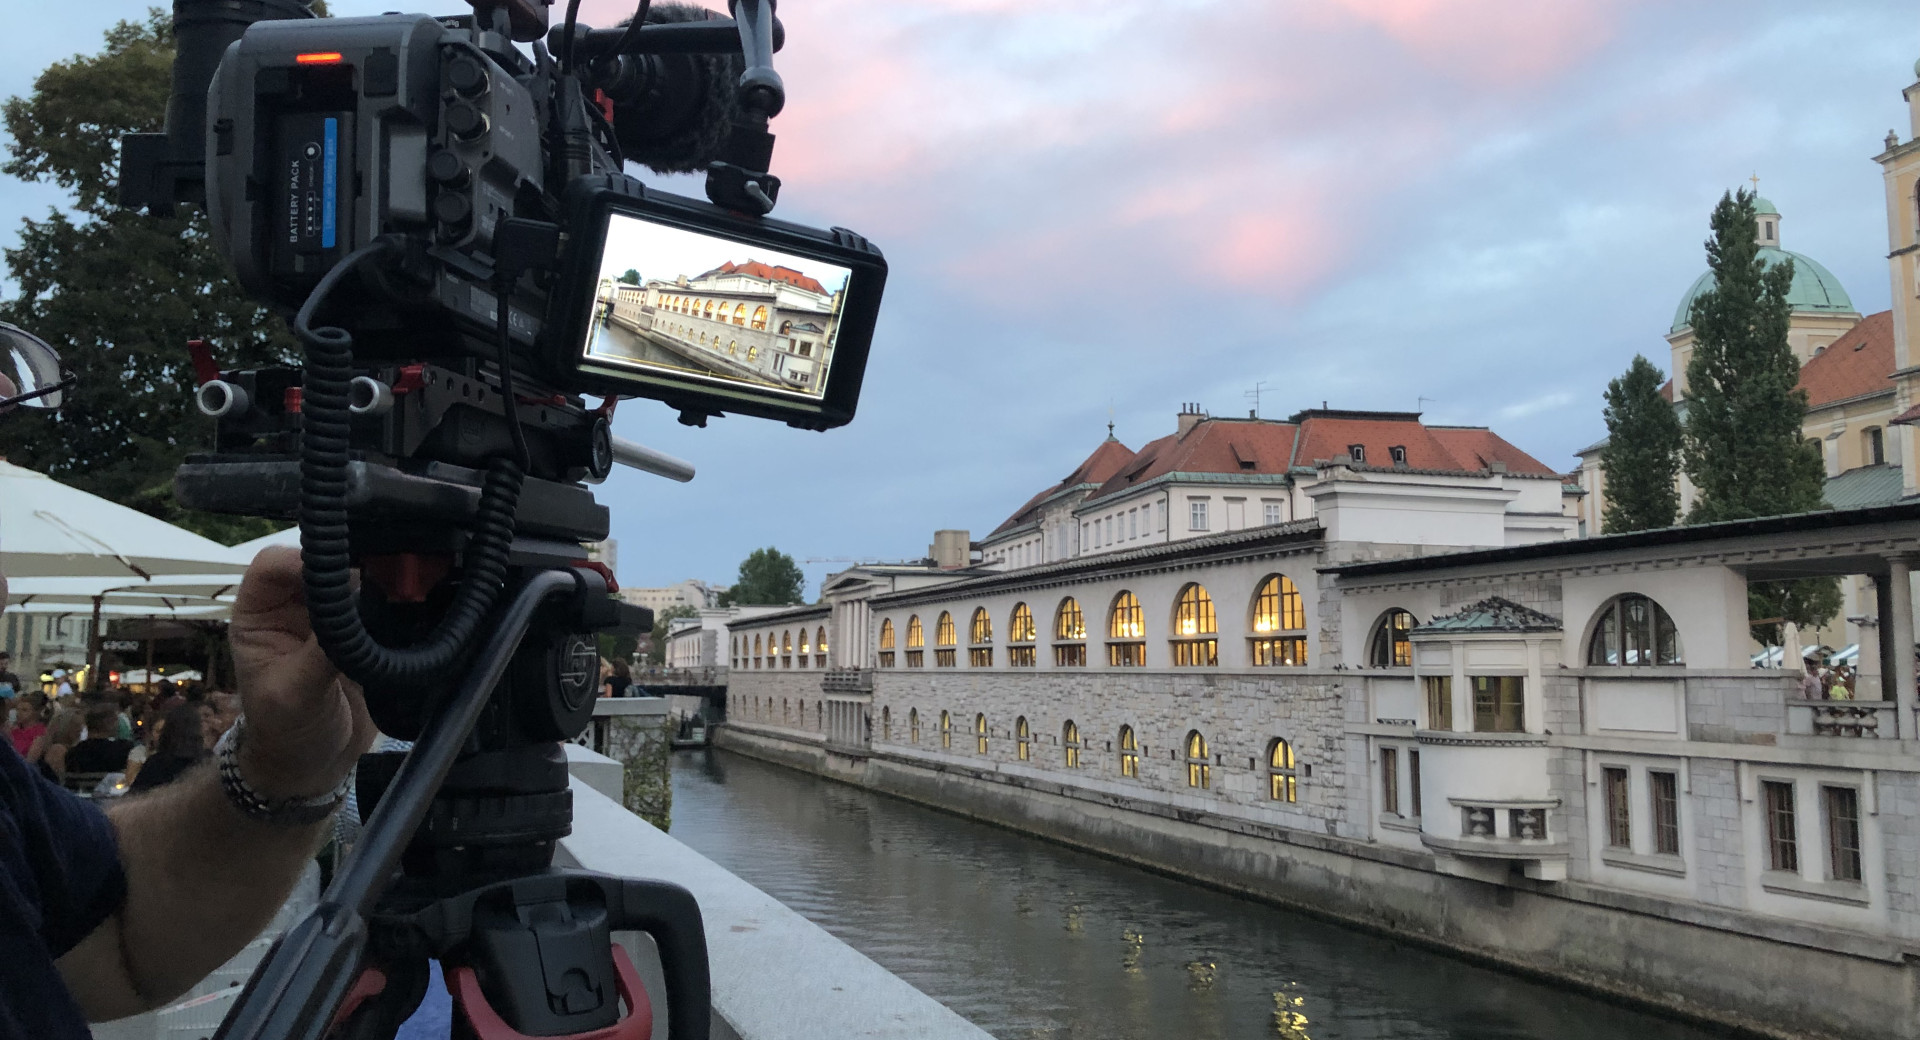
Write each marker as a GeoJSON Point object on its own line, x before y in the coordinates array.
{"type": "Point", "coordinates": [1847, 718]}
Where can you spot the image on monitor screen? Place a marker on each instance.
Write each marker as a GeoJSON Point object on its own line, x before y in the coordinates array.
{"type": "Point", "coordinates": [701, 306]}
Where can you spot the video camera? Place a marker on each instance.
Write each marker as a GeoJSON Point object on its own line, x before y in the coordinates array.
{"type": "Point", "coordinates": [440, 205]}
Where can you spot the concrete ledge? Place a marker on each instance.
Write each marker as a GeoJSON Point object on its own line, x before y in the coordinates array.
{"type": "Point", "coordinates": [606, 706]}
{"type": "Point", "coordinates": [603, 774]}
{"type": "Point", "coordinates": [776, 975]}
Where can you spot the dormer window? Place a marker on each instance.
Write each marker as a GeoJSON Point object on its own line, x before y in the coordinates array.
{"type": "Point", "coordinates": [1398, 453]}
{"type": "Point", "coordinates": [1358, 453]}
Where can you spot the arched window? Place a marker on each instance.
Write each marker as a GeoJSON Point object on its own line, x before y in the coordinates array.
{"type": "Point", "coordinates": [1199, 762]}
{"type": "Point", "coordinates": [819, 714]}
{"type": "Point", "coordinates": [1126, 632]}
{"type": "Point", "coordinates": [756, 650]}
{"type": "Point", "coordinates": [1279, 624]}
{"type": "Point", "coordinates": [1020, 636]}
{"type": "Point", "coordinates": [786, 650]}
{"type": "Point", "coordinates": [803, 711]}
{"type": "Point", "coordinates": [1129, 753]}
{"type": "Point", "coordinates": [739, 314]}
{"type": "Point", "coordinates": [786, 328]}
{"type": "Point", "coordinates": [980, 638]}
{"type": "Point", "coordinates": [820, 646]}
{"type": "Point", "coordinates": [886, 724]}
{"type": "Point", "coordinates": [753, 350]}
{"type": "Point", "coordinates": [1194, 628]}
{"type": "Point", "coordinates": [703, 339]}
{"type": "Point", "coordinates": [733, 646]}
{"type": "Point", "coordinates": [1634, 630]}
{"type": "Point", "coordinates": [1069, 634]}
{"type": "Point", "coordinates": [707, 312]}
{"type": "Point", "coordinates": [946, 730]}
{"type": "Point", "coordinates": [944, 641]}
{"type": "Point", "coordinates": [980, 734]}
{"type": "Point", "coordinates": [1392, 643]}
{"type": "Point", "coordinates": [1023, 738]}
{"type": "Point", "coordinates": [1070, 740]}
{"type": "Point", "coordinates": [760, 318]}
{"type": "Point", "coordinates": [786, 713]}
{"type": "Point", "coordinates": [916, 641]}
{"type": "Point", "coordinates": [1282, 784]}
{"type": "Point", "coordinates": [886, 643]}
{"type": "Point", "coordinates": [806, 647]}
{"type": "Point", "coordinates": [913, 725]}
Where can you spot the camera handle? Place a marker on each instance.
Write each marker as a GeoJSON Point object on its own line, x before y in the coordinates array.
{"type": "Point", "coordinates": [739, 180]}
{"type": "Point", "coordinates": [316, 967]}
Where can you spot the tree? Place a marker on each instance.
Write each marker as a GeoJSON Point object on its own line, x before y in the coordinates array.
{"type": "Point", "coordinates": [1642, 459]}
{"type": "Point", "coordinates": [120, 293]}
{"type": "Point", "coordinates": [657, 646]}
{"type": "Point", "coordinates": [768, 577]}
{"type": "Point", "coordinates": [630, 277]}
{"type": "Point", "coordinates": [1743, 447]}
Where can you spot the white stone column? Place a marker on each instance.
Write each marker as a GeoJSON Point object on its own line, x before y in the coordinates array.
{"type": "Point", "coordinates": [1898, 630]}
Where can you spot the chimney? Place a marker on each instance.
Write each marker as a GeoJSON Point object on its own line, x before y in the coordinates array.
{"type": "Point", "coordinates": [952, 550]}
{"type": "Point", "coordinates": [1190, 416]}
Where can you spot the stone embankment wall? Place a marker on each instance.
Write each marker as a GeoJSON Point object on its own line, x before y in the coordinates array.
{"type": "Point", "coordinates": [1763, 976]}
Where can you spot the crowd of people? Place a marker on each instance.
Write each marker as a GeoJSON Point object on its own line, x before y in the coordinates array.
{"type": "Point", "coordinates": [1823, 682]}
{"type": "Point", "coordinates": [147, 737]}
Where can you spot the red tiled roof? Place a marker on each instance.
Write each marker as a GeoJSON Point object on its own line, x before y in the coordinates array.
{"type": "Point", "coordinates": [1263, 447]}
{"type": "Point", "coordinates": [1859, 362]}
{"type": "Point", "coordinates": [1213, 446]}
{"type": "Point", "coordinates": [1099, 467]}
{"type": "Point", "coordinates": [771, 273]}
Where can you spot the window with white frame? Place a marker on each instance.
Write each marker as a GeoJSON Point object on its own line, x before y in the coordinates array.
{"type": "Point", "coordinates": [1273, 514]}
{"type": "Point", "coordinates": [1197, 514]}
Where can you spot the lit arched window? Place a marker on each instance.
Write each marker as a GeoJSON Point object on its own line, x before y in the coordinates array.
{"type": "Point", "coordinates": [806, 643]}
{"type": "Point", "coordinates": [886, 643]}
{"type": "Point", "coordinates": [1392, 642]}
{"type": "Point", "coordinates": [886, 724]}
{"type": "Point", "coordinates": [944, 641]}
{"type": "Point", "coordinates": [1282, 785]}
{"type": "Point", "coordinates": [753, 350]}
{"type": "Point", "coordinates": [703, 339]}
{"type": "Point", "coordinates": [1279, 624]}
{"type": "Point", "coordinates": [913, 725]}
{"type": "Point", "coordinates": [1020, 630]}
{"type": "Point", "coordinates": [739, 314]}
{"type": "Point", "coordinates": [1070, 740]}
{"type": "Point", "coordinates": [980, 630]}
{"type": "Point", "coordinates": [820, 646]}
{"type": "Point", "coordinates": [980, 734]}
{"type": "Point", "coordinates": [1128, 632]}
{"type": "Point", "coordinates": [786, 328]}
{"type": "Point", "coordinates": [946, 730]}
{"type": "Point", "coordinates": [1194, 627]}
{"type": "Point", "coordinates": [1023, 738]}
{"type": "Point", "coordinates": [1199, 762]}
{"type": "Point", "coordinates": [707, 311]}
{"type": "Point", "coordinates": [916, 641]}
{"type": "Point", "coordinates": [1069, 633]}
{"type": "Point", "coordinates": [980, 638]}
{"type": "Point", "coordinates": [786, 658]}
{"type": "Point", "coordinates": [1634, 630]}
{"type": "Point", "coordinates": [760, 318]}
{"type": "Point", "coordinates": [1129, 753]}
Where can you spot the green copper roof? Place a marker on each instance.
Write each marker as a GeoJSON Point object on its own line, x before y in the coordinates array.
{"type": "Point", "coordinates": [1814, 287]}
{"type": "Point", "coordinates": [1762, 207]}
{"type": "Point", "coordinates": [1493, 614]}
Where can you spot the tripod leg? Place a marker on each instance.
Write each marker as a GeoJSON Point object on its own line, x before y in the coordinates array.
{"type": "Point", "coordinates": [382, 997]}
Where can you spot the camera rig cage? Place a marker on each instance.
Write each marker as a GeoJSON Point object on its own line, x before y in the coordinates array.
{"type": "Point", "coordinates": [439, 212]}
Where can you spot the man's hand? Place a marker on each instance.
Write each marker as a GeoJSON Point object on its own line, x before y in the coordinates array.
{"type": "Point", "coordinates": [305, 724]}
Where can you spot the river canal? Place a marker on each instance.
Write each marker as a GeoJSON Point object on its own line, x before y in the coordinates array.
{"type": "Point", "coordinates": [1031, 940]}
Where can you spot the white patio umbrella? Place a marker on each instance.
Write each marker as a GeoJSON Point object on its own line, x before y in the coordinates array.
{"type": "Point", "coordinates": [246, 551]}
{"type": "Point", "coordinates": [48, 529]}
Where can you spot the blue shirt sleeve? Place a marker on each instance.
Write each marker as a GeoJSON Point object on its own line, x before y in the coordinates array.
{"type": "Point", "coordinates": [60, 872]}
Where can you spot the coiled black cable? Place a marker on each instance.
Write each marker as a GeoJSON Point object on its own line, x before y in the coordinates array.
{"type": "Point", "coordinates": [324, 443]}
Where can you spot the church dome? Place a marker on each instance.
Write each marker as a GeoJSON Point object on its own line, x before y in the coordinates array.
{"type": "Point", "coordinates": [1814, 287]}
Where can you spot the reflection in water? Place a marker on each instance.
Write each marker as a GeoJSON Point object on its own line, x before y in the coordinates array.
{"type": "Point", "coordinates": [1031, 940]}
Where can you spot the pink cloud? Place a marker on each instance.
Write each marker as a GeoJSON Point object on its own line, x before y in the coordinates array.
{"type": "Point", "coordinates": [1218, 145]}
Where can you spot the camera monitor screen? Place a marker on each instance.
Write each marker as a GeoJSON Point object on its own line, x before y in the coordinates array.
{"type": "Point", "coordinates": [715, 312]}
{"type": "Point", "coordinates": [710, 308]}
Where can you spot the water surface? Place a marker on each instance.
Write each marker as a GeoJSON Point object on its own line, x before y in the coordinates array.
{"type": "Point", "coordinates": [1032, 940]}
